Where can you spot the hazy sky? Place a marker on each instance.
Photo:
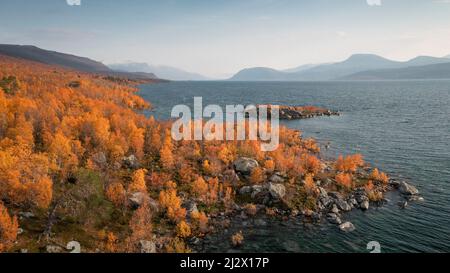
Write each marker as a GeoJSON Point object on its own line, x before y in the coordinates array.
{"type": "Point", "coordinates": [220, 37]}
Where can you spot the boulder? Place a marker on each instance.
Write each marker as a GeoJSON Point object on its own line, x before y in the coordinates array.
{"type": "Point", "coordinates": [347, 227]}
{"type": "Point", "coordinates": [403, 204]}
{"type": "Point", "coordinates": [334, 218]}
{"type": "Point", "coordinates": [54, 249]}
{"type": "Point", "coordinates": [322, 193]}
{"type": "Point", "coordinates": [335, 195]}
{"type": "Point", "coordinates": [342, 205]}
{"type": "Point", "coordinates": [334, 209]}
{"type": "Point", "coordinates": [277, 178]}
{"type": "Point", "coordinates": [190, 207]}
{"type": "Point", "coordinates": [131, 162]}
{"type": "Point", "coordinates": [231, 176]}
{"type": "Point", "coordinates": [415, 198]}
{"type": "Point", "coordinates": [407, 189]}
{"type": "Point", "coordinates": [138, 198]}
{"type": "Point", "coordinates": [277, 191]}
{"type": "Point", "coordinates": [353, 202]}
{"type": "Point", "coordinates": [100, 159]}
{"type": "Point", "coordinates": [361, 197]}
{"type": "Point", "coordinates": [256, 190]}
{"type": "Point", "coordinates": [26, 215]}
{"type": "Point", "coordinates": [326, 201]}
{"type": "Point", "coordinates": [246, 190]}
{"type": "Point", "coordinates": [245, 165]}
{"type": "Point", "coordinates": [364, 205]}
{"type": "Point", "coordinates": [147, 246]}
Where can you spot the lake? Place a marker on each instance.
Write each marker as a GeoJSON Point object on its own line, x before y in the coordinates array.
{"type": "Point", "coordinates": [402, 127]}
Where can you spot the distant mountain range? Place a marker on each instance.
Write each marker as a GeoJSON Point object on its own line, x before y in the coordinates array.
{"type": "Point", "coordinates": [424, 72]}
{"type": "Point", "coordinates": [68, 61]}
{"type": "Point", "coordinates": [165, 72]}
{"type": "Point", "coordinates": [359, 66]}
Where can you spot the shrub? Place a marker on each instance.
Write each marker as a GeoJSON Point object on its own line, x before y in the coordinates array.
{"type": "Point", "coordinates": [183, 230]}
{"type": "Point", "coordinates": [237, 239]}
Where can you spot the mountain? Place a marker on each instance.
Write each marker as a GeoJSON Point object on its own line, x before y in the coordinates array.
{"type": "Point", "coordinates": [33, 53]}
{"type": "Point", "coordinates": [448, 56]}
{"type": "Point", "coordinates": [165, 72]}
{"type": "Point", "coordinates": [425, 72]}
{"type": "Point", "coordinates": [354, 64]}
{"type": "Point", "coordinates": [301, 68]}
{"type": "Point", "coordinates": [425, 60]}
{"type": "Point", "coordinates": [36, 54]}
{"type": "Point", "coordinates": [260, 74]}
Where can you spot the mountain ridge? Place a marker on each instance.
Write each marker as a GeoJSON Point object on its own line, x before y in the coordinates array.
{"type": "Point", "coordinates": [354, 64]}
{"type": "Point", "coordinates": [163, 71]}
{"type": "Point", "coordinates": [68, 61]}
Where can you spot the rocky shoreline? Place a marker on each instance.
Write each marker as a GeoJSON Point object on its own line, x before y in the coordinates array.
{"type": "Point", "coordinates": [269, 200]}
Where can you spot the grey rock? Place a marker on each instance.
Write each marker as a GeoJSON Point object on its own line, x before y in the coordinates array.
{"type": "Point", "coordinates": [353, 202]}
{"type": "Point", "coordinates": [342, 205]}
{"type": "Point", "coordinates": [257, 189]}
{"type": "Point", "coordinates": [147, 246]}
{"type": "Point", "coordinates": [276, 178]}
{"type": "Point", "coordinates": [131, 162]}
{"type": "Point", "coordinates": [347, 227]}
{"type": "Point", "coordinates": [260, 222]}
{"type": "Point", "coordinates": [334, 218]}
{"type": "Point", "coordinates": [138, 198]}
{"type": "Point", "coordinates": [365, 205]}
{"type": "Point", "coordinates": [245, 165]}
{"type": "Point", "coordinates": [231, 177]}
{"type": "Point", "coordinates": [54, 249]}
{"type": "Point", "coordinates": [322, 193]}
{"type": "Point", "coordinates": [334, 209]}
{"type": "Point", "coordinates": [403, 204]}
{"type": "Point", "coordinates": [190, 207]}
{"type": "Point", "coordinates": [277, 191]}
{"type": "Point", "coordinates": [415, 198]}
{"type": "Point", "coordinates": [335, 195]}
{"type": "Point", "coordinates": [326, 201]}
{"type": "Point", "coordinates": [407, 189]}
{"type": "Point", "coordinates": [100, 159]}
{"type": "Point", "coordinates": [26, 215]}
{"type": "Point", "coordinates": [246, 190]}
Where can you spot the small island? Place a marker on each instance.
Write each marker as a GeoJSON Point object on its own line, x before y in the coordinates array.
{"type": "Point", "coordinates": [299, 112]}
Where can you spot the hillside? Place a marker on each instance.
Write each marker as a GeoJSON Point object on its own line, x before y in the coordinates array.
{"type": "Point", "coordinates": [33, 53]}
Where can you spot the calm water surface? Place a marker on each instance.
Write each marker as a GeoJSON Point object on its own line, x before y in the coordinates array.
{"type": "Point", "coordinates": [401, 127]}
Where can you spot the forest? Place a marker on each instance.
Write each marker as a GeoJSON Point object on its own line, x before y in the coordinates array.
{"type": "Point", "coordinates": [80, 162]}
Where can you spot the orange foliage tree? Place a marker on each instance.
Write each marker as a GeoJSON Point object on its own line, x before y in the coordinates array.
{"type": "Point", "coordinates": [169, 200]}
{"type": "Point", "coordinates": [345, 180]}
{"type": "Point", "coordinates": [8, 229]}
{"type": "Point", "coordinates": [138, 183]}
{"type": "Point", "coordinates": [349, 164]}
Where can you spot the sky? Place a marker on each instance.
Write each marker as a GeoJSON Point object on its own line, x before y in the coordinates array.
{"type": "Point", "coordinates": [217, 38]}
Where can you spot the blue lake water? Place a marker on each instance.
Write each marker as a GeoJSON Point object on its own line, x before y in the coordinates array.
{"type": "Point", "coordinates": [402, 127]}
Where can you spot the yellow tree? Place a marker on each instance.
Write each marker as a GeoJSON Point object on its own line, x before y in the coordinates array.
{"type": "Point", "coordinates": [8, 229]}
{"type": "Point", "coordinates": [166, 152]}
{"type": "Point", "coordinates": [138, 182]}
